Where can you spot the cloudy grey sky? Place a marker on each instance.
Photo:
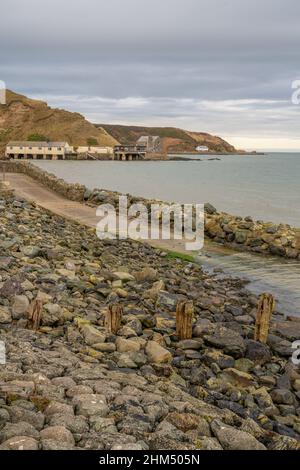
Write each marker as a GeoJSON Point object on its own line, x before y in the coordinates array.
{"type": "Point", "coordinates": [219, 66]}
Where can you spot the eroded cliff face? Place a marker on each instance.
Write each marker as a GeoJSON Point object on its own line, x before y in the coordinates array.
{"type": "Point", "coordinates": [21, 117]}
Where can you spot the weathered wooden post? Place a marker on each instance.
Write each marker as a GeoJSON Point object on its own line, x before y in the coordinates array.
{"type": "Point", "coordinates": [184, 319]}
{"type": "Point", "coordinates": [266, 305]}
{"type": "Point", "coordinates": [34, 314]}
{"type": "Point", "coordinates": [113, 318]}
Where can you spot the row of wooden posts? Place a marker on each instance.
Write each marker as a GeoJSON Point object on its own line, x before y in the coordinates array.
{"type": "Point", "coordinates": [184, 317]}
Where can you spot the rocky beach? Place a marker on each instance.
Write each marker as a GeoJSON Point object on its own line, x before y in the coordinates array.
{"type": "Point", "coordinates": [72, 384]}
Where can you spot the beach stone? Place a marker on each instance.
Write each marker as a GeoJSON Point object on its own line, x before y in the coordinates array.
{"type": "Point", "coordinates": [75, 424]}
{"type": "Point", "coordinates": [4, 417]}
{"type": "Point", "coordinates": [52, 314]}
{"type": "Point", "coordinates": [129, 446]}
{"type": "Point", "coordinates": [166, 300]}
{"type": "Point", "coordinates": [126, 361]}
{"type": "Point", "coordinates": [207, 443]}
{"type": "Point", "coordinates": [105, 347]}
{"type": "Point", "coordinates": [123, 276]}
{"type": "Point", "coordinates": [243, 364]}
{"type": "Point", "coordinates": [296, 385]}
{"type": "Point", "coordinates": [282, 396]}
{"type": "Point", "coordinates": [20, 443]}
{"type": "Point", "coordinates": [58, 433]}
{"type": "Point", "coordinates": [91, 405]}
{"type": "Point", "coordinates": [209, 208]}
{"type": "Point", "coordinates": [215, 356]}
{"type": "Point", "coordinates": [157, 353]}
{"type": "Point", "coordinates": [53, 444]}
{"type": "Point", "coordinates": [290, 330]}
{"type": "Point", "coordinates": [20, 306]}
{"type": "Point", "coordinates": [241, 236]}
{"type": "Point", "coordinates": [237, 377]}
{"type": "Point", "coordinates": [36, 419]}
{"type": "Point", "coordinates": [229, 341]}
{"type": "Point", "coordinates": [16, 429]}
{"type": "Point", "coordinates": [5, 315]}
{"type": "Point", "coordinates": [31, 251]}
{"type": "Point", "coordinates": [257, 352]}
{"type": "Point", "coordinates": [233, 439]}
{"type": "Point", "coordinates": [127, 345]}
{"type": "Point", "coordinates": [186, 422]}
{"type": "Point", "coordinates": [10, 288]}
{"type": "Point", "coordinates": [190, 344]}
{"type": "Point", "coordinates": [56, 407]}
{"type": "Point", "coordinates": [279, 345]}
{"type": "Point", "coordinates": [92, 335]}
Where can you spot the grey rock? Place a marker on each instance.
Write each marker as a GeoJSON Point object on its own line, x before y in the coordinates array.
{"type": "Point", "coordinates": [59, 434]}
{"type": "Point", "coordinates": [229, 341]}
{"type": "Point", "coordinates": [233, 439]}
{"type": "Point", "coordinates": [91, 405]}
{"type": "Point", "coordinates": [20, 443]}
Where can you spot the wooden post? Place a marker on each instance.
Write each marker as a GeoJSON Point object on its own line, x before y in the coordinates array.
{"type": "Point", "coordinates": [34, 314]}
{"type": "Point", "coordinates": [113, 318]}
{"type": "Point", "coordinates": [184, 319]}
{"type": "Point", "coordinates": [266, 305]}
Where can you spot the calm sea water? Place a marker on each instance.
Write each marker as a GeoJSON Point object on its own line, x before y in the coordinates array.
{"type": "Point", "coordinates": [263, 186]}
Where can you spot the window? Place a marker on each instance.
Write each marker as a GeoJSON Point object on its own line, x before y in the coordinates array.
{"type": "Point", "coordinates": [58, 148]}
{"type": "Point", "coordinates": [49, 148]}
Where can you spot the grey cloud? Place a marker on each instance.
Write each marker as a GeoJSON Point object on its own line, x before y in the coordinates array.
{"type": "Point", "coordinates": [141, 60]}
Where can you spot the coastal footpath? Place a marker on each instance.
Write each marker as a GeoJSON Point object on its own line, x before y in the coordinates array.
{"type": "Point", "coordinates": [69, 383]}
{"type": "Point", "coordinates": [243, 234]}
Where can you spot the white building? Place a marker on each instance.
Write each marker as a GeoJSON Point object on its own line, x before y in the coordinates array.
{"type": "Point", "coordinates": [94, 149]}
{"type": "Point", "coordinates": [202, 148]}
{"type": "Point", "coordinates": [37, 150]}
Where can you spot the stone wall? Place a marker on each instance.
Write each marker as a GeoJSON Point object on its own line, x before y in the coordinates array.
{"type": "Point", "coordinates": [74, 192]}
{"type": "Point", "coordinates": [243, 234]}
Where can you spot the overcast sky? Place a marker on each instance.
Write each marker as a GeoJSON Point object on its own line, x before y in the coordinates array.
{"type": "Point", "coordinates": [219, 66]}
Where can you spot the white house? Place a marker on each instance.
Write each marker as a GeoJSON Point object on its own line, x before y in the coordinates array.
{"type": "Point", "coordinates": [202, 148]}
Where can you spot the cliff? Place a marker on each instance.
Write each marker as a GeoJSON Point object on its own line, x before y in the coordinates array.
{"type": "Point", "coordinates": [22, 117]}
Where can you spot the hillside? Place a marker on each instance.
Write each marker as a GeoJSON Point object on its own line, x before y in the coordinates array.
{"type": "Point", "coordinates": [21, 117]}
{"type": "Point", "coordinates": [173, 139]}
